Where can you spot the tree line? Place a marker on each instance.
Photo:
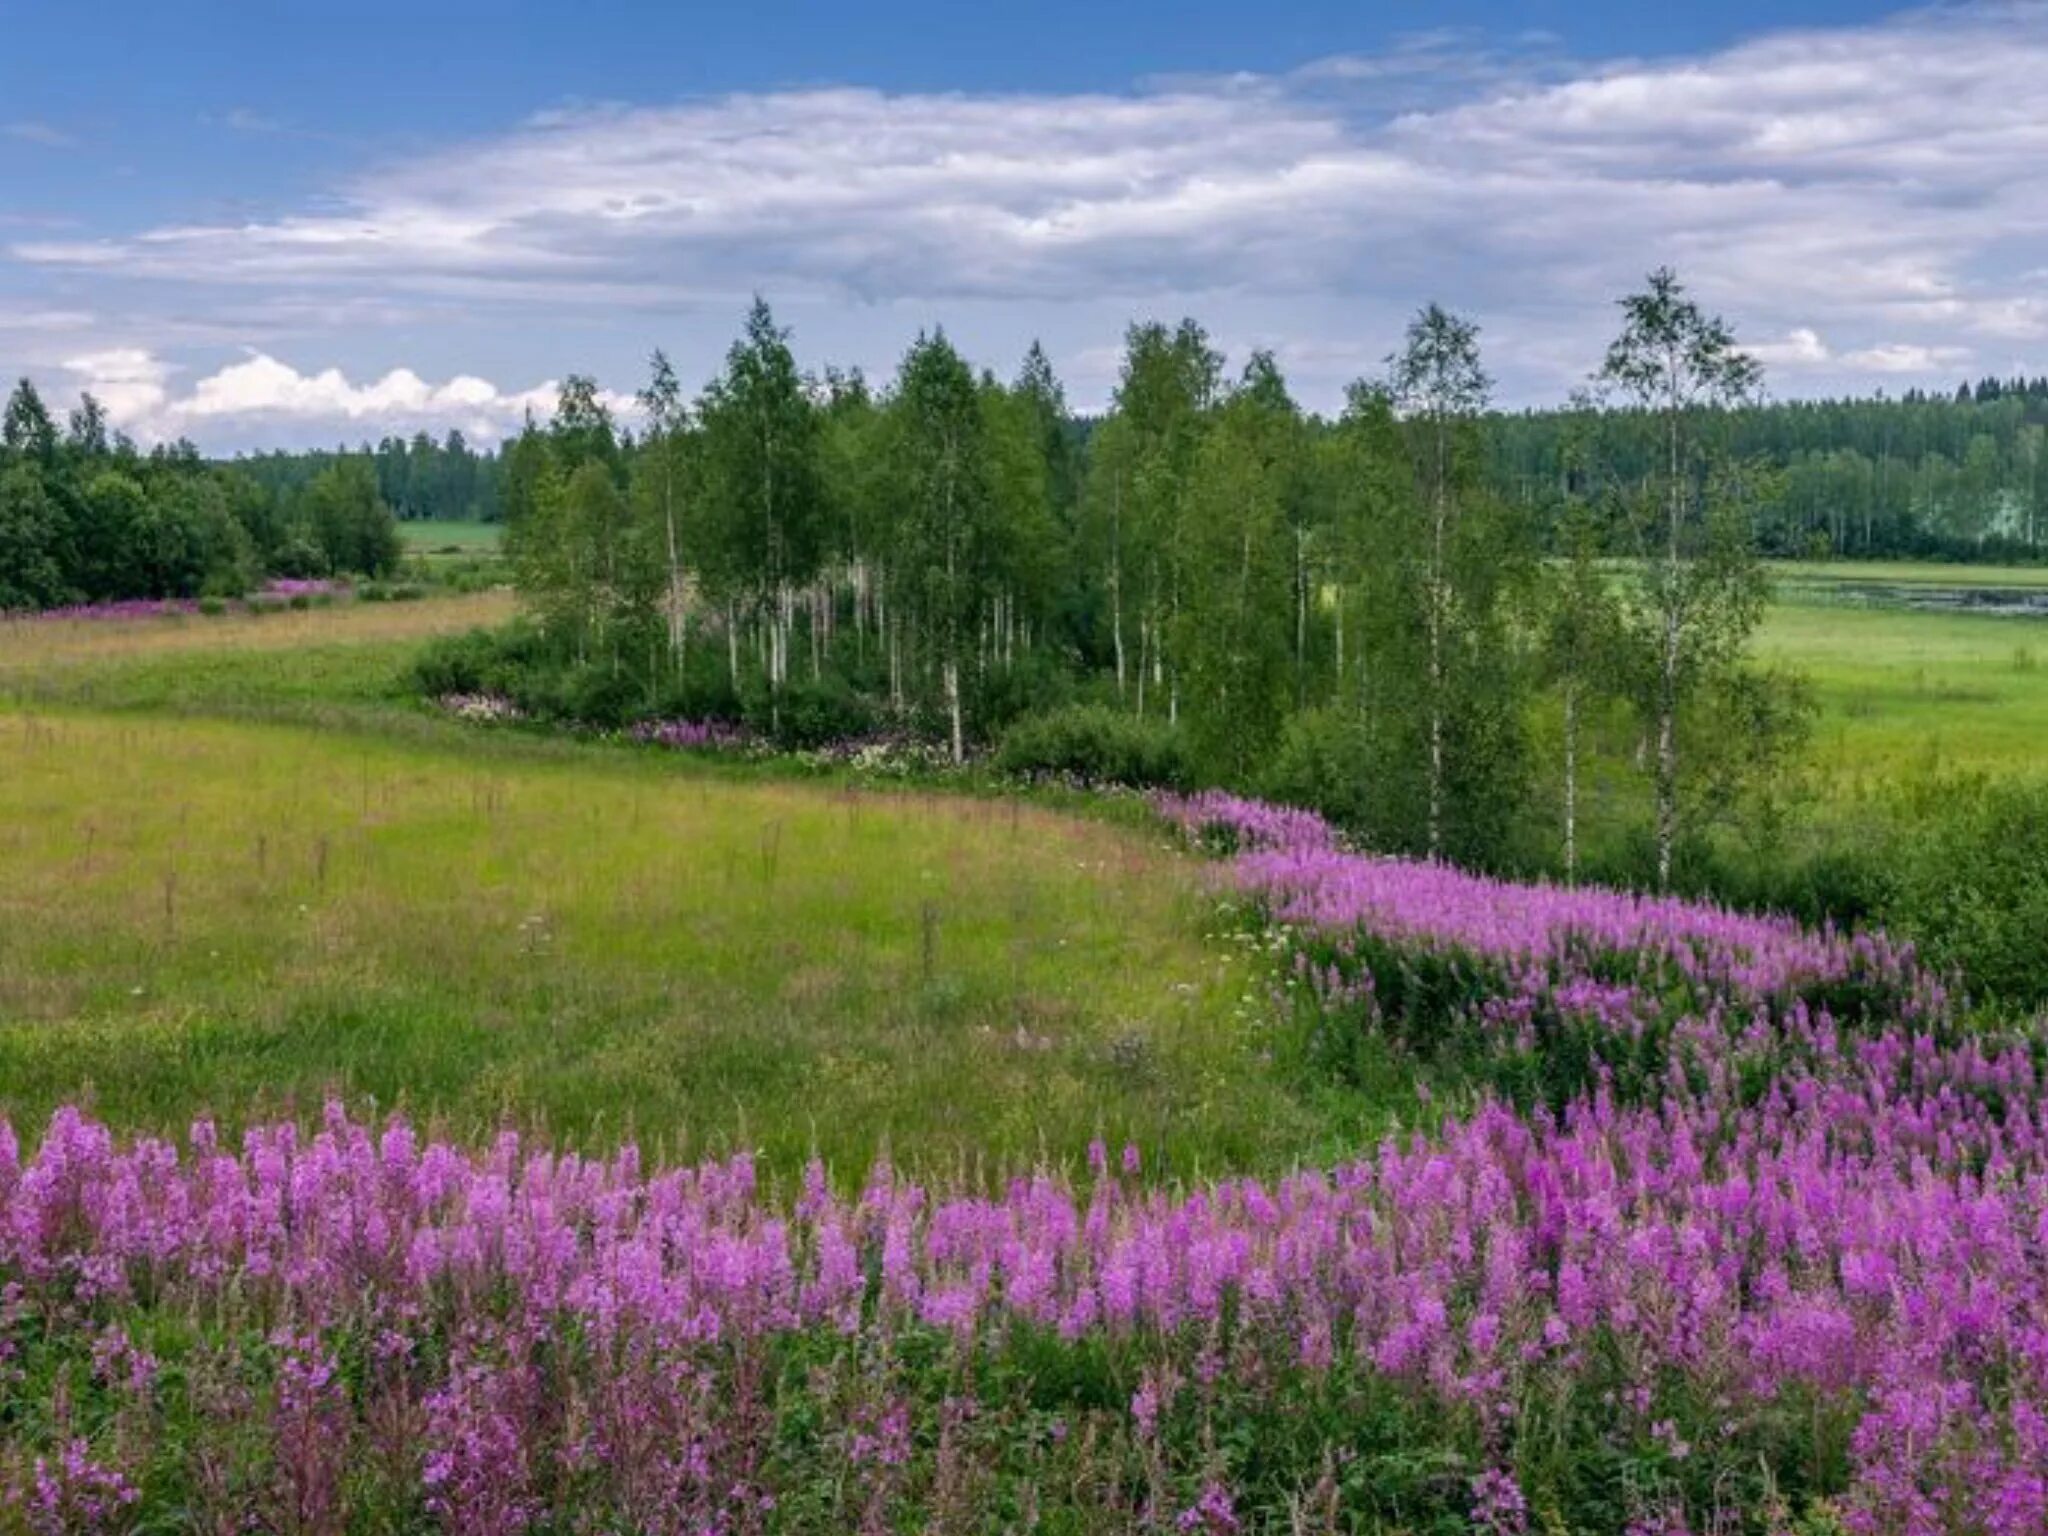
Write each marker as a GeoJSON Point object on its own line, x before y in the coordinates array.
{"type": "Point", "coordinates": [1961, 477]}
{"type": "Point", "coordinates": [87, 517]}
{"type": "Point", "coordinates": [421, 478]}
{"type": "Point", "coordinates": [1348, 611]}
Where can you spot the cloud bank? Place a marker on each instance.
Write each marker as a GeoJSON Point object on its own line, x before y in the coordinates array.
{"type": "Point", "coordinates": [1868, 204]}
{"type": "Point", "coordinates": [260, 395]}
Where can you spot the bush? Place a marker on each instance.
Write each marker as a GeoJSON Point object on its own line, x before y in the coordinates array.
{"type": "Point", "coordinates": [1035, 684]}
{"type": "Point", "coordinates": [810, 713]}
{"type": "Point", "coordinates": [1095, 744]}
{"type": "Point", "coordinates": [1323, 764]}
{"type": "Point", "coordinates": [1969, 883]}
{"type": "Point", "coordinates": [498, 661]}
{"type": "Point", "coordinates": [578, 693]}
{"type": "Point", "coordinates": [299, 557]}
{"type": "Point", "coordinates": [705, 693]}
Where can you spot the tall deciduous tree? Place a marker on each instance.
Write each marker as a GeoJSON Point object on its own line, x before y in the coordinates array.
{"type": "Point", "coordinates": [1022, 562]}
{"type": "Point", "coordinates": [351, 522]}
{"type": "Point", "coordinates": [1138, 492]}
{"type": "Point", "coordinates": [1577, 629]}
{"type": "Point", "coordinates": [26, 428]}
{"type": "Point", "coordinates": [1441, 388]}
{"type": "Point", "coordinates": [1237, 558]}
{"type": "Point", "coordinates": [940, 475]}
{"type": "Point", "coordinates": [763, 498]}
{"type": "Point", "coordinates": [663, 469]}
{"type": "Point", "coordinates": [1700, 592]}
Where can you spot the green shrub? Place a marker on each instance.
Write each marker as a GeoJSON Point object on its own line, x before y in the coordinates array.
{"type": "Point", "coordinates": [1095, 744]}
{"type": "Point", "coordinates": [578, 693]}
{"type": "Point", "coordinates": [1035, 684]}
{"type": "Point", "coordinates": [809, 713]}
{"type": "Point", "coordinates": [1968, 882]}
{"type": "Point", "coordinates": [705, 693]}
{"type": "Point", "coordinates": [1323, 764]}
{"type": "Point", "coordinates": [481, 661]}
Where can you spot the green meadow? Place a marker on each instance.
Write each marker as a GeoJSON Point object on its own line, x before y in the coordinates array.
{"type": "Point", "coordinates": [451, 538]}
{"type": "Point", "coordinates": [240, 870]}
{"type": "Point", "coordinates": [1908, 689]}
{"type": "Point", "coordinates": [238, 877]}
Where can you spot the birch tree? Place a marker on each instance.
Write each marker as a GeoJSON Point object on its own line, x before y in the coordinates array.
{"type": "Point", "coordinates": [1147, 450]}
{"type": "Point", "coordinates": [1440, 388]}
{"type": "Point", "coordinates": [661, 463]}
{"type": "Point", "coordinates": [763, 497]}
{"type": "Point", "coordinates": [940, 471]}
{"type": "Point", "coordinates": [1238, 558]}
{"type": "Point", "coordinates": [1699, 593]}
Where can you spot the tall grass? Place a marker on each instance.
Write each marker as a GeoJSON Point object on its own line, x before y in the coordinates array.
{"type": "Point", "coordinates": [220, 917]}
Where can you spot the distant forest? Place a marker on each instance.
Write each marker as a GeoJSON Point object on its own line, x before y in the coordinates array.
{"type": "Point", "coordinates": [87, 517]}
{"type": "Point", "coordinates": [1962, 476]}
{"type": "Point", "coordinates": [421, 478]}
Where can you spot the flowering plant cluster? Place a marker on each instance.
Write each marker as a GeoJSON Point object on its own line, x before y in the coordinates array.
{"type": "Point", "coordinates": [882, 754]}
{"type": "Point", "coordinates": [288, 587]}
{"type": "Point", "coordinates": [1554, 990]}
{"type": "Point", "coordinates": [693, 735]}
{"type": "Point", "coordinates": [275, 593]}
{"type": "Point", "coordinates": [1227, 823]}
{"type": "Point", "coordinates": [481, 708]}
{"type": "Point", "coordinates": [1686, 1315]}
{"type": "Point", "coordinates": [1785, 1273]}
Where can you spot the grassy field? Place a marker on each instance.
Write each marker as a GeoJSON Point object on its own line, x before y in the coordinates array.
{"type": "Point", "coordinates": [423, 538]}
{"type": "Point", "coordinates": [215, 915]}
{"type": "Point", "coordinates": [181, 659]}
{"type": "Point", "coordinates": [1921, 573]}
{"type": "Point", "coordinates": [337, 893]}
{"type": "Point", "coordinates": [1904, 689]}
{"type": "Point", "coordinates": [239, 870]}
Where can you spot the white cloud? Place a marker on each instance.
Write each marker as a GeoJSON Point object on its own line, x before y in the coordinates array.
{"type": "Point", "coordinates": [31, 131]}
{"type": "Point", "coordinates": [1800, 348]}
{"type": "Point", "coordinates": [1907, 357]}
{"type": "Point", "coordinates": [261, 394]}
{"type": "Point", "coordinates": [129, 382]}
{"type": "Point", "coordinates": [1883, 186]}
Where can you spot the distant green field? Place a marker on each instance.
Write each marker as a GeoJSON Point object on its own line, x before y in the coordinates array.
{"type": "Point", "coordinates": [1913, 573]}
{"type": "Point", "coordinates": [457, 538]}
{"type": "Point", "coordinates": [1903, 688]}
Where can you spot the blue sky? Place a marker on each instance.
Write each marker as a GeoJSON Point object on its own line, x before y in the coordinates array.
{"type": "Point", "coordinates": [277, 224]}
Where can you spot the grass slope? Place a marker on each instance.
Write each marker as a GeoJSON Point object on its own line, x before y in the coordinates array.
{"type": "Point", "coordinates": [200, 915]}
{"type": "Point", "coordinates": [239, 871]}
{"type": "Point", "coordinates": [236, 663]}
